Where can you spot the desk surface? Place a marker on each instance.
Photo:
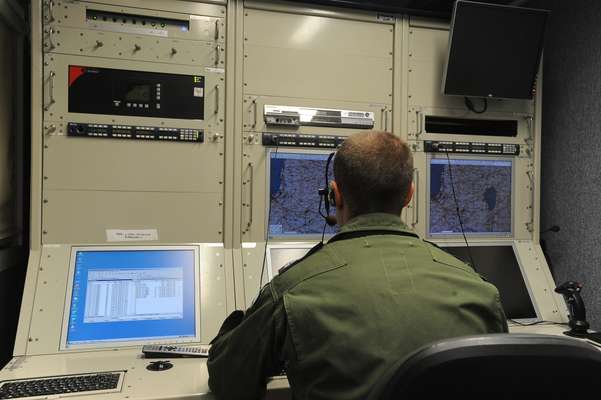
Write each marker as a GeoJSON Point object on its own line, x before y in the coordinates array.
{"type": "Point", "coordinates": [188, 379]}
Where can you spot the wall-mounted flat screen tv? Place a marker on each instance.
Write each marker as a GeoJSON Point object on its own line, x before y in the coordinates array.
{"type": "Point", "coordinates": [494, 51]}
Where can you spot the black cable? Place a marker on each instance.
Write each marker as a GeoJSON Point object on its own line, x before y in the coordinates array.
{"type": "Point", "coordinates": [323, 232]}
{"type": "Point", "coordinates": [277, 146]}
{"type": "Point", "coordinates": [469, 252]}
{"type": "Point", "coordinates": [470, 105]}
{"type": "Point", "coordinates": [536, 323]}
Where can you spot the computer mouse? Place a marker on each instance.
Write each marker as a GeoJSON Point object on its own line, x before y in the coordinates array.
{"type": "Point", "coordinates": [159, 366]}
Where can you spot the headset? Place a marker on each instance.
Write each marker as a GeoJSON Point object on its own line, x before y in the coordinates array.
{"type": "Point", "coordinates": [326, 195]}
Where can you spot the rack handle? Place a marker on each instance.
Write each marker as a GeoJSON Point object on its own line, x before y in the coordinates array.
{"type": "Point", "coordinates": [218, 55]}
{"type": "Point", "coordinates": [50, 91]}
{"type": "Point", "coordinates": [420, 124]}
{"type": "Point", "coordinates": [251, 181]}
{"type": "Point", "coordinates": [416, 197]}
{"type": "Point", "coordinates": [254, 105]}
{"type": "Point", "coordinates": [217, 100]}
{"type": "Point", "coordinates": [49, 16]}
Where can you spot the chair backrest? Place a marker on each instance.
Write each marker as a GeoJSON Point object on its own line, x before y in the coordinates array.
{"type": "Point", "coordinates": [501, 366]}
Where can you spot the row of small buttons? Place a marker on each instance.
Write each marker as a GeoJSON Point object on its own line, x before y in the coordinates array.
{"type": "Point", "coordinates": [136, 105]}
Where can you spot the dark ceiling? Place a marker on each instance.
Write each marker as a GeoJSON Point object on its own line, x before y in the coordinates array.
{"type": "Point", "coordinates": [436, 8]}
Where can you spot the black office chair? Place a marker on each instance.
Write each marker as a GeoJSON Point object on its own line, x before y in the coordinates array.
{"type": "Point", "coordinates": [498, 366]}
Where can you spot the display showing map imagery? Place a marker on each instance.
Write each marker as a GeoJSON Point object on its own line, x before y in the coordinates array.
{"type": "Point", "coordinates": [294, 181]}
{"type": "Point", "coordinates": [483, 190]}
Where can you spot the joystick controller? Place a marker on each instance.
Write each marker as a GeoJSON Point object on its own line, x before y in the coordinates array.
{"type": "Point", "coordinates": [570, 291]}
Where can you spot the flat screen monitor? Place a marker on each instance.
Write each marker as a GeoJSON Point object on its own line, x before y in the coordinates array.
{"type": "Point", "coordinates": [129, 296]}
{"type": "Point", "coordinates": [281, 255]}
{"type": "Point", "coordinates": [294, 181]}
{"type": "Point", "coordinates": [494, 50]}
{"type": "Point", "coordinates": [480, 192]}
{"type": "Point", "coordinates": [499, 266]}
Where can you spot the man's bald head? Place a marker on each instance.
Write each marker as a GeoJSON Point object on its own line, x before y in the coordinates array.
{"type": "Point", "coordinates": [373, 171]}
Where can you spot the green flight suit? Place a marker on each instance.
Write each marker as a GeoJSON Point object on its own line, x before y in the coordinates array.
{"type": "Point", "coordinates": [338, 318]}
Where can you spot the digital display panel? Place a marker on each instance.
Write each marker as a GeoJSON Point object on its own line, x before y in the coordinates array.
{"type": "Point", "coordinates": [295, 179]}
{"type": "Point", "coordinates": [107, 91]}
{"type": "Point", "coordinates": [130, 295]}
{"type": "Point", "coordinates": [483, 190]}
{"type": "Point", "coordinates": [499, 266]}
{"type": "Point", "coordinates": [138, 93]}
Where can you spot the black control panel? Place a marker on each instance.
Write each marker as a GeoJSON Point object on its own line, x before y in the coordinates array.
{"type": "Point", "coordinates": [135, 132]}
{"type": "Point", "coordinates": [108, 91]}
{"type": "Point", "coordinates": [294, 140]}
{"type": "Point", "coordinates": [472, 148]}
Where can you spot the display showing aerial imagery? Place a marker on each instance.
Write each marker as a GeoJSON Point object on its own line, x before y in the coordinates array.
{"type": "Point", "coordinates": [483, 191]}
{"type": "Point", "coordinates": [294, 181]}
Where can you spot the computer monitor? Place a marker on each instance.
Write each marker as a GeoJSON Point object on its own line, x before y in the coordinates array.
{"type": "Point", "coordinates": [281, 255]}
{"type": "Point", "coordinates": [480, 188]}
{"type": "Point", "coordinates": [294, 179]}
{"type": "Point", "coordinates": [136, 295]}
{"type": "Point", "coordinates": [494, 50]}
{"type": "Point", "coordinates": [499, 266]}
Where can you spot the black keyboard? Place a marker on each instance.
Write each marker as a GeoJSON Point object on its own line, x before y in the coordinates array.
{"type": "Point", "coordinates": [59, 385]}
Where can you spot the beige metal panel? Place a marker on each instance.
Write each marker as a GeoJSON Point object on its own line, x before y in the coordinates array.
{"type": "Point", "coordinates": [539, 281]}
{"type": "Point", "coordinates": [417, 126]}
{"type": "Point", "coordinates": [255, 186]}
{"type": "Point", "coordinates": [214, 290]}
{"type": "Point", "coordinates": [524, 198]}
{"type": "Point", "coordinates": [284, 72]}
{"type": "Point", "coordinates": [204, 7]}
{"type": "Point", "coordinates": [37, 101]}
{"type": "Point", "coordinates": [252, 256]}
{"type": "Point", "coordinates": [320, 34]}
{"type": "Point", "coordinates": [253, 110]}
{"type": "Point", "coordinates": [7, 159]}
{"type": "Point", "coordinates": [83, 216]}
{"type": "Point", "coordinates": [73, 14]}
{"type": "Point", "coordinates": [423, 22]}
{"type": "Point", "coordinates": [111, 164]}
{"type": "Point", "coordinates": [322, 11]}
{"type": "Point", "coordinates": [187, 380]}
{"type": "Point", "coordinates": [235, 37]}
{"type": "Point", "coordinates": [51, 302]}
{"type": "Point", "coordinates": [254, 189]}
{"type": "Point", "coordinates": [47, 312]}
{"type": "Point", "coordinates": [416, 213]}
{"type": "Point", "coordinates": [401, 60]}
{"type": "Point", "coordinates": [96, 43]}
{"type": "Point", "coordinates": [541, 329]}
{"type": "Point", "coordinates": [428, 48]}
{"type": "Point", "coordinates": [55, 86]}
{"type": "Point", "coordinates": [317, 57]}
{"type": "Point", "coordinates": [27, 303]}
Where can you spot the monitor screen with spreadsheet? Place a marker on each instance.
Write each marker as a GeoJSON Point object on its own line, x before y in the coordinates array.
{"type": "Point", "coordinates": [129, 295]}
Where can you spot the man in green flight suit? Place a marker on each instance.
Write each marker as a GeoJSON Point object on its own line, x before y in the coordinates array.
{"type": "Point", "coordinates": [341, 316]}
